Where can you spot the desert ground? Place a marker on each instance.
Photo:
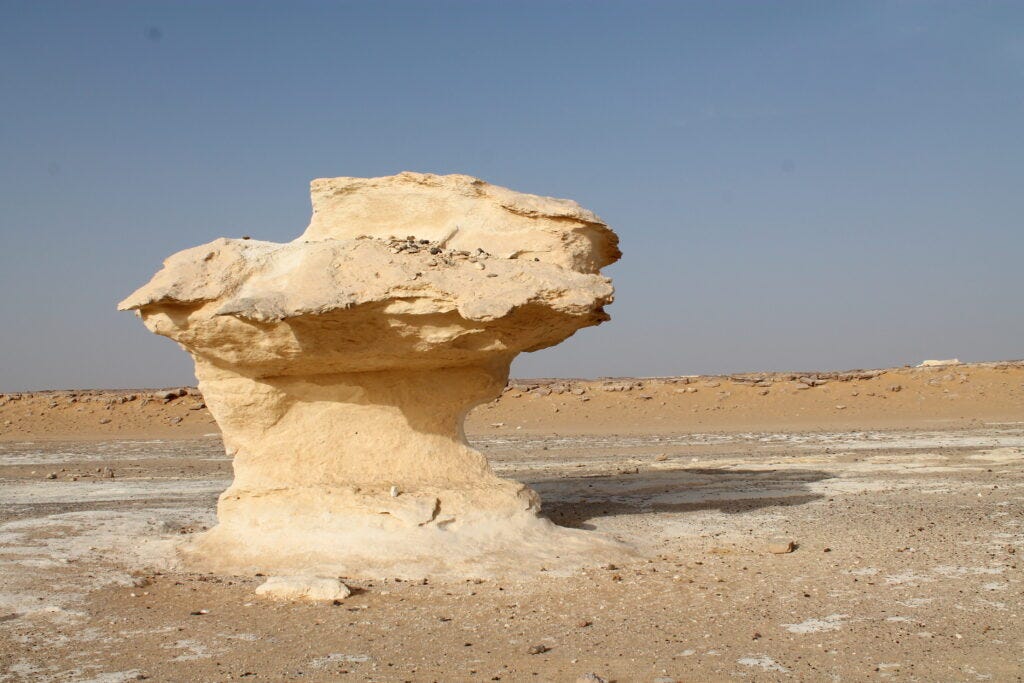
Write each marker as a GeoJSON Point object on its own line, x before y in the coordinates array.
{"type": "Point", "coordinates": [899, 494]}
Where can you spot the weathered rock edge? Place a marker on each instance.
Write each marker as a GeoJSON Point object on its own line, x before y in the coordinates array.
{"type": "Point", "coordinates": [340, 368]}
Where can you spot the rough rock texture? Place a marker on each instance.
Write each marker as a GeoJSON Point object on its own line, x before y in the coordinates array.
{"type": "Point", "coordinates": [465, 213]}
{"type": "Point", "coordinates": [340, 368]}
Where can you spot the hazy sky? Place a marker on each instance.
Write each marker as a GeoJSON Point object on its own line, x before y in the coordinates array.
{"type": "Point", "coordinates": [797, 185]}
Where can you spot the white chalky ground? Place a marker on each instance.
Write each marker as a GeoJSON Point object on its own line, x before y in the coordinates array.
{"type": "Point", "coordinates": [907, 567]}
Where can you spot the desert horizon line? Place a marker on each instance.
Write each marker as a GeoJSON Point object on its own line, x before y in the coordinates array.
{"type": "Point", "coordinates": [600, 378]}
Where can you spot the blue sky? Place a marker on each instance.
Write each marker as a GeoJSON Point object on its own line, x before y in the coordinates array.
{"type": "Point", "coordinates": [797, 185]}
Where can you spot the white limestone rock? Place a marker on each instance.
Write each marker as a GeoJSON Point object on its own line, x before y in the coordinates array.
{"type": "Point", "coordinates": [340, 367]}
{"type": "Point", "coordinates": [303, 588]}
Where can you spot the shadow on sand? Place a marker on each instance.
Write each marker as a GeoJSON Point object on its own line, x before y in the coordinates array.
{"type": "Point", "coordinates": [571, 501]}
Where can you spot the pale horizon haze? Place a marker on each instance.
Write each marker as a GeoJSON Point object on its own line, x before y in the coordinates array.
{"type": "Point", "coordinates": [796, 185]}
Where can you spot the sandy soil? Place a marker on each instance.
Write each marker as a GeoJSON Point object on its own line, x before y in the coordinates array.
{"type": "Point", "coordinates": [907, 508]}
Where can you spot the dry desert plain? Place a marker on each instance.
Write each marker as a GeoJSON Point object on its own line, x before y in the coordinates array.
{"type": "Point", "coordinates": [902, 491]}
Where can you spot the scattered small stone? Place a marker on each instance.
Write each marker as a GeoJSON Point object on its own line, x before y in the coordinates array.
{"type": "Point", "coordinates": [781, 546]}
{"type": "Point", "coordinates": [395, 492]}
{"type": "Point", "coordinates": [661, 457]}
{"type": "Point", "coordinates": [51, 475]}
{"type": "Point", "coordinates": [664, 679]}
{"type": "Point", "coordinates": [895, 388]}
{"type": "Point", "coordinates": [538, 649]}
{"type": "Point", "coordinates": [304, 588]}
{"type": "Point", "coordinates": [591, 678]}
{"type": "Point", "coordinates": [105, 421]}
{"type": "Point", "coordinates": [199, 612]}
{"type": "Point", "coordinates": [621, 386]}
{"type": "Point", "coordinates": [108, 473]}
{"type": "Point", "coordinates": [583, 623]}
{"type": "Point", "coordinates": [175, 420]}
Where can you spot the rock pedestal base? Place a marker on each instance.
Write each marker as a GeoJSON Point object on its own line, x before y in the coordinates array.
{"type": "Point", "coordinates": [369, 474]}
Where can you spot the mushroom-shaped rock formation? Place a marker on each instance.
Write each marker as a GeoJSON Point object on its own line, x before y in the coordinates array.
{"type": "Point", "coordinates": [340, 368]}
